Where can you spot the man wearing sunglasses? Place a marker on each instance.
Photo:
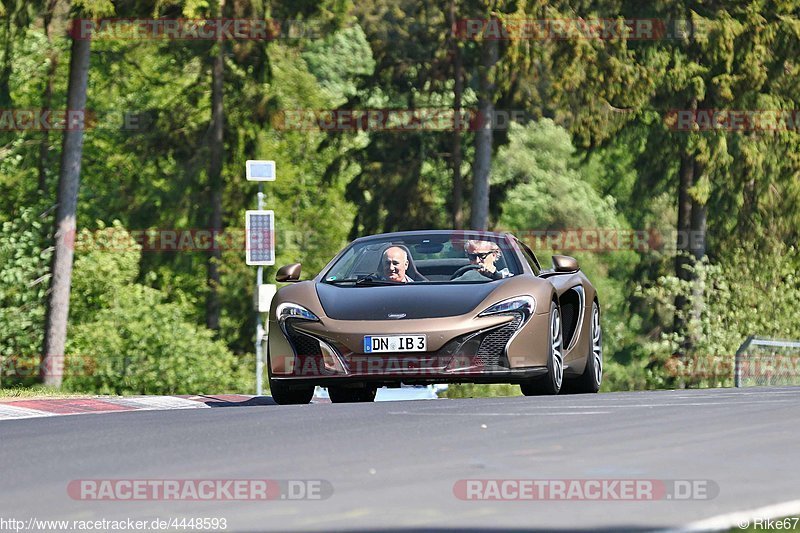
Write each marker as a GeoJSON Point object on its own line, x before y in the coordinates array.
{"type": "Point", "coordinates": [483, 254]}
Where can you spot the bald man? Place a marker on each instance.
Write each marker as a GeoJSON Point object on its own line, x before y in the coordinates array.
{"type": "Point", "coordinates": [395, 264]}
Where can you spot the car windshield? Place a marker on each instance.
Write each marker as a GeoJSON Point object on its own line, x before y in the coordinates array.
{"type": "Point", "coordinates": [436, 258]}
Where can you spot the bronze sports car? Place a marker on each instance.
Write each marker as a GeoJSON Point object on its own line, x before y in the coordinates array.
{"type": "Point", "coordinates": [424, 307]}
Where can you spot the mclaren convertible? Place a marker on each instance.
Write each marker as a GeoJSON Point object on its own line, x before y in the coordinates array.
{"type": "Point", "coordinates": [423, 307]}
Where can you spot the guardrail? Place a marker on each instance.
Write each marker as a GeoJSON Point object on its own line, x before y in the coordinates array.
{"type": "Point", "coordinates": [764, 361]}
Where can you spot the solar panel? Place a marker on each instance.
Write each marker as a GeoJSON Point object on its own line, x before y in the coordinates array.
{"type": "Point", "coordinates": [260, 232]}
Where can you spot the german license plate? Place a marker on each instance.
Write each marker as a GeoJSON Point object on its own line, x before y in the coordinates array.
{"type": "Point", "coordinates": [395, 343]}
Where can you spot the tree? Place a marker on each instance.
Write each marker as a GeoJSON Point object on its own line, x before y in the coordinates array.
{"type": "Point", "coordinates": [484, 137]}
{"type": "Point", "coordinates": [48, 17]}
{"type": "Point", "coordinates": [216, 153]}
{"type": "Point", "coordinates": [65, 224]}
{"type": "Point", "coordinates": [456, 158]}
{"type": "Point", "coordinates": [16, 16]}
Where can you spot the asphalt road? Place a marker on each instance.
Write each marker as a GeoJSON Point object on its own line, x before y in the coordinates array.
{"type": "Point", "coordinates": [393, 466]}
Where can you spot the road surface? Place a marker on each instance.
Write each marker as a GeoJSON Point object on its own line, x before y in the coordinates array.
{"type": "Point", "coordinates": [393, 466]}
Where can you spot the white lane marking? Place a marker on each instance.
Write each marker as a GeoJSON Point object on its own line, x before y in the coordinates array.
{"type": "Point", "coordinates": [156, 402]}
{"type": "Point", "coordinates": [606, 405]}
{"type": "Point", "coordinates": [500, 414]}
{"type": "Point", "coordinates": [737, 519]}
{"type": "Point", "coordinates": [682, 404]}
{"type": "Point", "coordinates": [748, 393]}
{"type": "Point", "coordinates": [8, 411]}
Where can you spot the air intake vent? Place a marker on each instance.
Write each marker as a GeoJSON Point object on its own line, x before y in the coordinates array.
{"type": "Point", "coordinates": [494, 343]}
{"type": "Point", "coordinates": [303, 344]}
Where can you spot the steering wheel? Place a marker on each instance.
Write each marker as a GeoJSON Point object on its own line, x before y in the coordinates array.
{"type": "Point", "coordinates": [462, 270]}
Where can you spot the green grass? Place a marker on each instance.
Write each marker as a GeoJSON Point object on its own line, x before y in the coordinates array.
{"type": "Point", "coordinates": [472, 390]}
{"type": "Point", "coordinates": [37, 391]}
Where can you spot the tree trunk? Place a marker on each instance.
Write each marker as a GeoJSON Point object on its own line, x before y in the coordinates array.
{"type": "Point", "coordinates": [484, 136]}
{"type": "Point", "coordinates": [44, 147]}
{"type": "Point", "coordinates": [215, 180]}
{"type": "Point", "coordinates": [458, 91]}
{"type": "Point", "coordinates": [65, 225]}
{"type": "Point", "coordinates": [5, 70]}
{"type": "Point", "coordinates": [683, 242]}
{"type": "Point", "coordinates": [47, 98]}
{"type": "Point", "coordinates": [697, 244]}
{"type": "Point", "coordinates": [697, 241]}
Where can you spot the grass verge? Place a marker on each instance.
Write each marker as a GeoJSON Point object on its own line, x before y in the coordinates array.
{"type": "Point", "coordinates": [38, 391]}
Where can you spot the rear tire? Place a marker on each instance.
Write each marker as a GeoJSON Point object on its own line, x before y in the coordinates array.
{"type": "Point", "coordinates": [550, 384]}
{"type": "Point", "coordinates": [347, 395]}
{"type": "Point", "coordinates": [285, 394]}
{"type": "Point", "coordinates": [592, 377]}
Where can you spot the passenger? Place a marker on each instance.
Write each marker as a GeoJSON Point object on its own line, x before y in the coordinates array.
{"type": "Point", "coordinates": [395, 265]}
{"type": "Point", "coordinates": [483, 254]}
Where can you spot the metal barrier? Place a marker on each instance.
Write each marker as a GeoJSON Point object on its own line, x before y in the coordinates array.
{"type": "Point", "coordinates": [761, 361]}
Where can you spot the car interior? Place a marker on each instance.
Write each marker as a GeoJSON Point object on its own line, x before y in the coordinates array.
{"type": "Point", "coordinates": [420, 268]}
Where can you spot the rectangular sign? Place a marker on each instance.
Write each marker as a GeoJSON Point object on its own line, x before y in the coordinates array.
{"type": "Point", "coordinates": [260, 237]}
{"type": "Point", "coordinates": [260, 170]}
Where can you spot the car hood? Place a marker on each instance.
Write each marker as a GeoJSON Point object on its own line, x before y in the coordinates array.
{"type": "Point", "coordinates": [413, 300]}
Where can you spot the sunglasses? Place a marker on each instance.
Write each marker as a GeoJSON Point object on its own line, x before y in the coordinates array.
{"type": "Point", "coordinates": [480, 256]}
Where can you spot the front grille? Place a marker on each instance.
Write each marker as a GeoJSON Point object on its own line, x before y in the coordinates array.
{"type": "Point", "coordinates": [303, 344]}
{"type": "Point", "coordinates": [493, 345]}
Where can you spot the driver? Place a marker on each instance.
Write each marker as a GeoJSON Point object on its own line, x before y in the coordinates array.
{"type": "Point", "coordinates": [395, 264]}
{"type": "Point", "coordinates": [483, 254]}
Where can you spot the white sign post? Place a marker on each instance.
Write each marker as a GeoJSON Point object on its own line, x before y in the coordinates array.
{"type": "Point", "coordinates": [260, 251]}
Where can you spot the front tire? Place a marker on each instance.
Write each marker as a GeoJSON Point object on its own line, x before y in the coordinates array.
{"type": "Point", "coordinates": [550, 384]}
{"type": "Point", "coordinates": [286, 394]}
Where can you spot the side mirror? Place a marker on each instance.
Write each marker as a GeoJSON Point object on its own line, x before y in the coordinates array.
{"type": "Point", "coordinates": [288, 273]}
{"type": "Point", "coordinates": [565, 263]}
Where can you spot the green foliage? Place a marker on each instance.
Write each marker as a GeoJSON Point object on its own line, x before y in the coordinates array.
{"type": "Point", "coordinates": [731, 300]}
{"type": "Point", "coordinates": [338, 60]}
{"type": "Point", "coordinates": [550, 189]}
{"type": "Point", "coordinates": [34, 391]}
{"type": "Point", "coordinates": [23, 288]}
{"type": "Point", "coordinates": [144, 345]}
{"type": "Point", "coordinates": [607, 158]}
{"type": "Point", "coordinates": [106, 263]}
{"type": "Point", "coordinates": [475, 390]}
{"type": "Point", "coordinates": [126, 338]}
{"type": "Point", "coordinates": [312, 215]}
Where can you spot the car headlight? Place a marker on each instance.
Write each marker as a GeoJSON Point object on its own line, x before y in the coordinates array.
{"type": "Point", "coordinates": [290, 310]}
{"type": "Point", "coordinates": [523, 304]}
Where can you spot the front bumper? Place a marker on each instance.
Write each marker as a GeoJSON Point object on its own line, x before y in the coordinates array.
{"type": "Point", "coordinates": [494, 349]}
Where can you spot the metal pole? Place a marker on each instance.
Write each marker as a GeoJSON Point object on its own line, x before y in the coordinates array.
{"type": "Point", "coordinates": [737, 368]}
{"type": "Point", "coordinates": [260, 336]}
